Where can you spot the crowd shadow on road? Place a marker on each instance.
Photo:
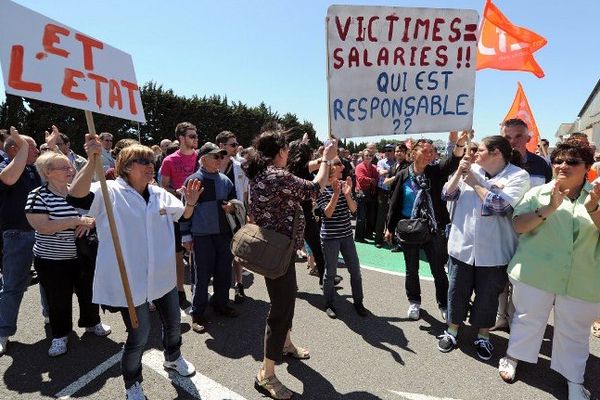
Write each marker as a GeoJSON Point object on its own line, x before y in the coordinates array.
{"type": "Point", "coordinates": [377, 331]}
{"type": "Point", "coordinates": [32, 371]}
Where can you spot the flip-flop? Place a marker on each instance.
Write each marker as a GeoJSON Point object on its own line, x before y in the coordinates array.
{"type": "Point", "coordinates": [299, 353]}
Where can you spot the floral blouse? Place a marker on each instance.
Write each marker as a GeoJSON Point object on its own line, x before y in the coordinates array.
{"type": "Point", "coordinates": [275, 195]}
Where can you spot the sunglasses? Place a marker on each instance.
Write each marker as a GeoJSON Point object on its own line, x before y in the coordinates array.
{"type": "Point", "coordinates": [143, 161]}
{"type": "Point", "coordinates": [233, 144]}
{"type": "Point", "coordinates": [192, 136]}
{"type": "Point", "coordinates": [571, 162]}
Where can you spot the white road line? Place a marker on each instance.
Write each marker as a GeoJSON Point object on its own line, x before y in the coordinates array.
{"type": "Point", "coordinates": [418, 396]}
{"type": "Point", "coordinates": [80, 383]}
{"type": "Point", "coordinates": [199, 386]}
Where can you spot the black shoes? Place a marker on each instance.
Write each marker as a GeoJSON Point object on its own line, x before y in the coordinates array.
{"type": "Point", "coordinates": [331, 312]}
{"type": "Point", "coordinates": [447, 342]}
{"type": "Point", "coordinates": [227, 311]}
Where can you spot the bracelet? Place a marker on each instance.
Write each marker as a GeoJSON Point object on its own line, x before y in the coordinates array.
{"type": "Point", "coordinates": [539, 214]}
{"type": "Point", "coordinates": [595, 210]}
{"type": "Point", "coordinates": [191, 205]}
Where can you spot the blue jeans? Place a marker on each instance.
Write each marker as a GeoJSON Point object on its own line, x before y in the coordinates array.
{"type": "Point", "coordinates": [168, 310]}
{"type": "Point", "coordinates": [331, 249]}
{"type": "Point", "coordinates": [212, 256]}
{"type": "Point", "coordinates": [17, 259]}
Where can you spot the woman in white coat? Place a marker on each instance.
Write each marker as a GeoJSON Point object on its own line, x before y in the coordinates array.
{"type": "Point", "coordinates": [144, 217]}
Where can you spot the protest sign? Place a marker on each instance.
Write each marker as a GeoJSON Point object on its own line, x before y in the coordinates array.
{"type": "Point", "coordinates": [394, 70]}
{"type": "Point", "coordinates": [45, 60]}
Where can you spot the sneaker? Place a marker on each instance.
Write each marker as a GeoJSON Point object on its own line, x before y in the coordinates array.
{"type": "Point", "coordinates": [396, 249]}
{"type": "Point", "coordinates": [447, 342]}
{"type": "Point", "coordinates": [331, 312]}
{"type": "Point", "coordinates": [360, 309]}
{"type": "Point", "coordinates": [46, 320]}
{"type": "Point", "coordinates": [239, 296]}
{"type": "Point", "coordinates": [135, 392]}
{"type": "Point", "coordinates": [414, 311]}
{"type": "Point", "coordinates": [182, 366]}
{"type": "Point", "coordinates": [199, 324]}
{"type": "Point", "coordinates": [507, 367]}
{"type": "Point", "coordinates": [3, 344]}
{"type": "Point", "coordinates": [58, 346]}
{"type": "Point", "coordinates": [99, 329]}
{"type": "Point", "coordinates": [578, 392]}
{"type": "Point", "coordinates": [378, 245]}
{"type": "Point", "coordinates": [337, 279]}
{"type": "Point", "coordinates": [484, 348]}
{"type": "Point", "coordinates": [184, 303]}
{"type": "Point", "coordinates": [227, 311]}
{"type": "Point", "coordinates": [444, 313]}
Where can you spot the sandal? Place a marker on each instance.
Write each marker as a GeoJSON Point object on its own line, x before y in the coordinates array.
{"type": "Point", "coordinates": [507, 369]}
{"type": "Point", "coordinates": [272, 387]}
{"type": "Point", "coordinates": [596, 328]}
{"type": "Point", "coordinates": [299, 353]}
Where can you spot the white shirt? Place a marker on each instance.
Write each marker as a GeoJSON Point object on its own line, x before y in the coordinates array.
{"type": "Point", "coordinates": [241, 180]}
{"type": "Point", "coordinates": [486, 240]}
{"type": "Point", "coordinates": [146, 237]}
{"type": "Point", "coordinates": [107, 159]}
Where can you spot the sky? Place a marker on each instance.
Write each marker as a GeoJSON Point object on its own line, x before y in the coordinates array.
{"type": "Point", "coordinates": [275, 52]}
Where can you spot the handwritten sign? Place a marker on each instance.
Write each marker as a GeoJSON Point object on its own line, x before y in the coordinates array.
{"type": "Point", "coordinates": [45, 60]}
{"type": "Point", "coordinates": [394, 70]}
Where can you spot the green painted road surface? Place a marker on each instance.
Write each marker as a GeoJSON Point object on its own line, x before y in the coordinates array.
{"type": "Point", "coordinates": [372, 257]}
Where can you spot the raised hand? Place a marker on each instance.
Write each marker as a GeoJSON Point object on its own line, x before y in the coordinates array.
{"type": "Point", "coordinates": [335, 185]}
{"type": "Point", "coordinates": [463, 138]}
{"type": "Point", "coordinates": [19, 140]}
{"type": "Point", "coordinates": [347, 187]}
{"type": "Point", "coordinates": [591, 202]}
{"type": "Point", "coordinates": [92, 145]}
{"type": "Point", "coordinates": [192, 191]}
{"type": "Point", "coordinates": [330, 151]}
{"type": "Point", "coordinates": [557, 195]}
{"type": "Point", "coordinates": [52, 137]}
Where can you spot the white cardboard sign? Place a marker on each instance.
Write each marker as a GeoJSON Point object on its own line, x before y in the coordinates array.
{"type": "Point", "coordinates": [46, 60]}
{"type": "Point", "coordinates": [394, 70]}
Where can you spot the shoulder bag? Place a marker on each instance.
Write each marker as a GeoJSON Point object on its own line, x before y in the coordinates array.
{"type": "Point", "coordinates": [264, 251]}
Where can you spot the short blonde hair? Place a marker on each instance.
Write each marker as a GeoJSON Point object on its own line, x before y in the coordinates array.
{"type": "Point", "coordinates": [128, 154]}
{"type": "Point", "coordinates": [47, 159]}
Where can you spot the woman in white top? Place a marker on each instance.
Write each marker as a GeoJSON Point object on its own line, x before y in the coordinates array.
{"type": "Point", "coordinates": [144, 217]}
{"type": "Point", "coordinates": [482, 239]}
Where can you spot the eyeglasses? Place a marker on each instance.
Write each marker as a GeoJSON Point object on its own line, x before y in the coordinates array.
{"type": "Point", "coordinates": [571, 162]}
{"type": "Point", "coordinates": [64, 169]}
{"type": "Point", "coordinates": [192, 136]}
{"type": "Point", "coordinates": [234, 144]}
{"type": "Point", "coordinates": [473, 149]}
{"type": "Point", "coordinates": [143, 161]}
{"type": "Point", "coordinates": [337, 163]}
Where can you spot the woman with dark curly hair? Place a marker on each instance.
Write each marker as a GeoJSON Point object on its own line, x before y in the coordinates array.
{"type": "Point", "coordinates": [557, 265]}
{"type": "Point", "coordinates": [275, 200]}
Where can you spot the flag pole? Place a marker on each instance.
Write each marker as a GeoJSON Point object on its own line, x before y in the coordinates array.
{"type": "Point", "coordinates": [89, 118]}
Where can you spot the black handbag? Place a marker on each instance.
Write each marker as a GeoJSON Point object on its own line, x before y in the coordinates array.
{"type": "Point", "coordinates": [414, 231]}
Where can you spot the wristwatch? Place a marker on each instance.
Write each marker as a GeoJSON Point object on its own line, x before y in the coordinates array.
{"type": "Point", "coordinates": [328, 162]}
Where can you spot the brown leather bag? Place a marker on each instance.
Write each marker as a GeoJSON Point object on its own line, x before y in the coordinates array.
{"type": "Point", "coordinates": [264, 251]}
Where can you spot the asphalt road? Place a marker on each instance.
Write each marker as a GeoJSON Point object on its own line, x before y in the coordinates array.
{"type": "Point", "coordinates": [383, 356]}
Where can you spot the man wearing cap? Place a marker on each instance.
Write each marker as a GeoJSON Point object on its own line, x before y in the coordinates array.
{"type": "Point", "coordinates": [383, 192]}
{"type": "Point", "coordinates": [211, 237]}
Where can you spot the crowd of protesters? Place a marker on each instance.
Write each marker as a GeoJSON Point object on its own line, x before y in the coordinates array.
{"type": "Point", "coordinates": [508, 235]}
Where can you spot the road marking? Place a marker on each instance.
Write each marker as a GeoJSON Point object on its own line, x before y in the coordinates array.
{"type": "Point", "coordinates": [418, 396]}
{"type": "Point", "coordinates": [80, 383]}
{"type": "Point", "coordinates": [199, 386]}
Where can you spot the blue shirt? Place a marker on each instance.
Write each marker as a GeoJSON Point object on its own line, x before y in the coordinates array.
{"type": "Point", "coordinates": [387, 165]}
{"type": "Point", "coordinates": [410, 195]}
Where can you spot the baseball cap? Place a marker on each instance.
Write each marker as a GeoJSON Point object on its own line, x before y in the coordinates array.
{"type": "Point", "coordinates": [210, 148]}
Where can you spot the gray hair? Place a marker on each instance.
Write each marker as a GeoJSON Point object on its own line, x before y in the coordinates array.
{"type": "Point", "coordinates": [45, 161]}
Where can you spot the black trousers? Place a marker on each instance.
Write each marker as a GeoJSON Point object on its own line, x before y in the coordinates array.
{"type": "Point", "coordinates": [282, 293]}
{"type": "Point", "coordinates": [383, 204]}
{"type": "Point", "coordinates": [365, 216]}
{"type": "Point", "coordinates": [312, 235]}
{"type": "Point", "coordinates": [437, 255]}
{"type": "Point", "coordinates": [60, 278]}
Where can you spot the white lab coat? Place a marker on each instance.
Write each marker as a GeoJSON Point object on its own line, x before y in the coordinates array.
{"type": "Point", "coordinates": [146, 237]}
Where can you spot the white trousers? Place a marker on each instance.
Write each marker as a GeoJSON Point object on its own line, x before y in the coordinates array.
{"type": "Point", "coordinates": [572, 321]}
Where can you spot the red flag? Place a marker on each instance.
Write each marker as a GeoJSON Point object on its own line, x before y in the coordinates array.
{"type": "Point", "coordinates": [505, 46]}
{"type": "Point", "coordinates": [520, 109]}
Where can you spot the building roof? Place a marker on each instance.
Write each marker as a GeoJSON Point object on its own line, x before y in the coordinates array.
{"type": "Point", "coordinates": [564, 129]}
{"type": "Point", "coordinates": [590, 98]}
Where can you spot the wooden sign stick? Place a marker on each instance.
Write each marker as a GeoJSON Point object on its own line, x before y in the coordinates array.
{"type": "Point", "coordinates": [113, 227]}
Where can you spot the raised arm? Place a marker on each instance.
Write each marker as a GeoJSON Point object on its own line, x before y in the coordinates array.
{"type": "Point", "coordinates": [80, 187]}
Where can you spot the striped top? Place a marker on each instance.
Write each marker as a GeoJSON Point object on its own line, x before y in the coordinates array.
{"type": "Point", "coordinates": [54, 246]}
{"type": "Point", "coordinates": [338, 226]}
